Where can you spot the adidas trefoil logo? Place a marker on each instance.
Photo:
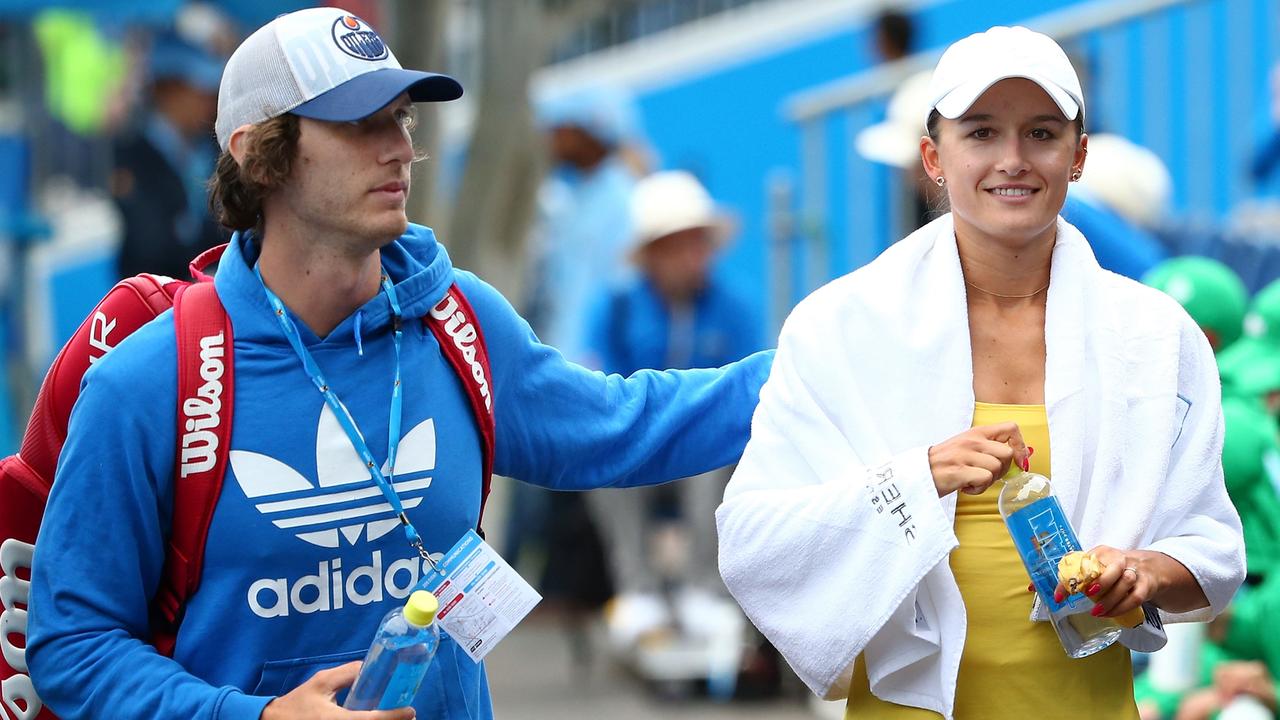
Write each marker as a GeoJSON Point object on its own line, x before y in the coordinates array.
{"type": "Point", "coordinates": [323, 515]}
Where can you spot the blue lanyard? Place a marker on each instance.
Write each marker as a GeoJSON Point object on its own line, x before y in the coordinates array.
{"type": "Point", "coordinates": [344, 416]}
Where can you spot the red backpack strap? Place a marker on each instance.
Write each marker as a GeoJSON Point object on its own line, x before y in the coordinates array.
{"type": "Point", "coordinates": [206, 389]}
{"type": "Point", "coordinates": [456, 328]}
{"type": "Point", "coordinates": [198, 266]}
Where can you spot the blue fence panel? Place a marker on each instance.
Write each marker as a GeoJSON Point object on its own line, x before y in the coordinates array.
{"type": "Point", "coordinates": [1191, 81]}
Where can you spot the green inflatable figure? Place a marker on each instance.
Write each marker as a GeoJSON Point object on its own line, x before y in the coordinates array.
{"type": "Point", "coordinates": [1211, 293]}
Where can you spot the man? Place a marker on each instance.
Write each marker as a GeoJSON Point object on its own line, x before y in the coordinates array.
{"type": "Point", "coordinates": [893, 35]}
{"type": "Point", "coordinates": [676, 314]}
{"type": "Point", "coordinates": [584, 222]}
{"type": "Point", "coordinates": [161, 166]}
{"type": "Point", "coordinates": [303, 557]}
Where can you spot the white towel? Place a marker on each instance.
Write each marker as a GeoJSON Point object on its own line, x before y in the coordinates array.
{"type": "Point", "coordinates": [832, 536]}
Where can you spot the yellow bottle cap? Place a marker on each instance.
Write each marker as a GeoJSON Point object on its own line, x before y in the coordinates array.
{"type": "Point", "coordinates": [421, 608]}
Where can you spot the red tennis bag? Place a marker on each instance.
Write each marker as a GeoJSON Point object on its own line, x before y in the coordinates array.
{"type": "Point", "coordinates": [205, 352]}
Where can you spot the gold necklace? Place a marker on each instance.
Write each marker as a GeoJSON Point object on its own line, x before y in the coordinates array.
{"type": "Point", "coordinates": [1007, 297]}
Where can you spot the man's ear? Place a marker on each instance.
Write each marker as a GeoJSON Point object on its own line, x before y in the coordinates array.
{"type": "Point", "coordinates": [238, 145]}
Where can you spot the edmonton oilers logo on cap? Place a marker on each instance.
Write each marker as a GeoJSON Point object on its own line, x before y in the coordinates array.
{"type": "Point", "coordinates": [357, 39]}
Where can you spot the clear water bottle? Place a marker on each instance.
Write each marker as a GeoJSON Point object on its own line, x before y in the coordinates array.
{"type": "Point", "coordinates": [397, 660]}
{"type": "Point", "coordinates": [1042, 534]}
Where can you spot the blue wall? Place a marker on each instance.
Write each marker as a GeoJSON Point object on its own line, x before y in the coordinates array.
{"type": "Point", "coordinates": [728, 126]}
{"type": "Point", "coordinates": [1191, 83]}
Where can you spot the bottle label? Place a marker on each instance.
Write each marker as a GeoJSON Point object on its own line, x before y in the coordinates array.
{"type": "Point", "coordinates": [1042, 534]}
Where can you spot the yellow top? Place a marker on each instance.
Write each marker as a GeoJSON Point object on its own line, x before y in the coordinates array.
{"type": "Point", "coordinates": [1011, 668]}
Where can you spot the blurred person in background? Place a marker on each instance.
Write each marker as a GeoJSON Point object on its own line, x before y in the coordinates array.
{"type": "Point", "coordinates": [896, 142]}
{"type": "Point", "coordinates": [86, 69]}
{"type": "Point", "coordinates": [1211, 293]}
{"type": "Point", "coordinates": [1242, 663]}
{"type": "Point", "coordinates": [893, 35]}
{"type": "Point", "coordinates": [674, 314]}
{"type": "Point", "coordinates": [584, 221]}
{"type": "Point", "coordinates": [860, 531]}
{"type": "Point", "coordinates": [577, 252]}
{"type": "Point", "coordinates": [1115, 205]}
{"type": "Point", "coordinates": [1249, 453]}
{"type": "Point", "coordinates": [1250, 367]}
{"type": "Point", "coordinates": [162, 164]}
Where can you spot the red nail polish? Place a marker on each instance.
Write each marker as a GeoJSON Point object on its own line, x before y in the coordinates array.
{"type": "Point", "coordinates": [1059, 596]}
{"type": "Point", "coordinates": [1031, 587]}
{"type": "Point", "coordinates": [1097, 611]}
{"type": "Point", "coordinates": [1093, 589]}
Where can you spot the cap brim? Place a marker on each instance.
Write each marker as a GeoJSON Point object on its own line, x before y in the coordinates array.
{"type": "Point", "coordinates": [722, 226]}
{"type": "Point", "coordinates": [955, 103]}
{"type": "Point", "coordinates": [889, 143]}
{"type": "Point", "coordinates": [366, 94]}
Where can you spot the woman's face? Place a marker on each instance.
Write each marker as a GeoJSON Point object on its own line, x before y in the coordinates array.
{"type": "Point", "coordinates": [1007, 162]}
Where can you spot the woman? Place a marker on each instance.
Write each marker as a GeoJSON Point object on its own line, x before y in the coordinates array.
{"type": "Point", "coordinates": [930, 371]}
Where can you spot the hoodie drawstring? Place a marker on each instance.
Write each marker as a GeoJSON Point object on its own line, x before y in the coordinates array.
{"type": "Point", "coordinates": [359, 341]}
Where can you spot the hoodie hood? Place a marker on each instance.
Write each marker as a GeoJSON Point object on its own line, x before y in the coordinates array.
{"type": "Point", "coordinates": [418, 265]}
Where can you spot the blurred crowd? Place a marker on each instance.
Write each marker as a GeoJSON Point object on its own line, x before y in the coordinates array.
{"type": "Point", "coordinates": [147, 95]}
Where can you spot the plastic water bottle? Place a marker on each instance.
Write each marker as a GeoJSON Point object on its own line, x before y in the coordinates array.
{"type": "Point", "coordinates": [397, 660]}
{"type": "Point", "coordinates": [1042, 534]}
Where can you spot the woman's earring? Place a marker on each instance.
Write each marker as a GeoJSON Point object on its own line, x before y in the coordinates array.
{"type": "Point", "coordinates": [940, 180]}
{"type": "Point", "coordinates": [1075, 175]}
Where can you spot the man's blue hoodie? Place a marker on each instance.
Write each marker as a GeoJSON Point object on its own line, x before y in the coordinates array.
{"type": "Point", "coordinates": [304, 556]}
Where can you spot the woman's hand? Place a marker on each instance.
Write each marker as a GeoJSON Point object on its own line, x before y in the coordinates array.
{"type": "Point", "coordinates": [1134, 577]}
{"type": "Point", "coordinates": [977, 457]}
{"type": "Point", "coordinates": [1126, 583]}
{"type": "Point", "coordinates": [314, 700]}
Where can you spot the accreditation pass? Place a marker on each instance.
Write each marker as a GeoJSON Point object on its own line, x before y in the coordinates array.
{"type": "Point", "coordinates": [482, 598]}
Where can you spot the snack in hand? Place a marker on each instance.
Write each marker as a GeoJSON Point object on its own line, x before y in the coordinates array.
{"type": "Point", "coordinates": [1079, 570]}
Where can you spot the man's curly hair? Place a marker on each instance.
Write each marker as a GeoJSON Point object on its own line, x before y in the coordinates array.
{"type": "Point", "coordinates": [236, 191]}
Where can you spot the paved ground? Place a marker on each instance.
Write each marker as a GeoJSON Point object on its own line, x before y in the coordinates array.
{"type": "Point", "coordinates": [532, 676]}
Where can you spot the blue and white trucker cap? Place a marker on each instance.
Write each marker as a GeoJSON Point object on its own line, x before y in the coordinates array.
{"type": "Point", "coordinates": [322, 63]}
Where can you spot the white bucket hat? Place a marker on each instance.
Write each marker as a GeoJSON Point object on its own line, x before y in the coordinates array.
{"type": "Point", "coordinates": [973, 64]}
{"type": "Point", "coordinates": [1130, 179]}
{"type": "Point", "coordinates": [670, 201]}
{"type": "Point", "coordinates": [896, 140]}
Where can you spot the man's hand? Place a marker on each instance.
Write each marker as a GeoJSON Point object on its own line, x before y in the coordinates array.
{"type": "Point", "coordinates": [313, 700]}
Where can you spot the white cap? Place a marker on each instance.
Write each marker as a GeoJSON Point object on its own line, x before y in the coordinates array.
{"type": "Point", "coordinates": [322, 63]}
{"type": "Point", "coordinates": [896, 141]}
{"type": "Point", "coordinates": [667, 202]}
{"type": "Point", "coordinates": [972, 65]}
